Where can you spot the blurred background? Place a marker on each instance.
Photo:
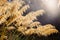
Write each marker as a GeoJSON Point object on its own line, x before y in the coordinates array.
{"type": "Point", "coordinates": [52, 14]}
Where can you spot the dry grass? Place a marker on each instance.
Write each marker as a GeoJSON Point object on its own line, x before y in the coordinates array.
{"type": "Point", "coordinates": [13, 22]}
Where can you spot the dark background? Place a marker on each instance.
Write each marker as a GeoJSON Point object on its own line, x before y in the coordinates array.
{"type": "Point", "coordinates": [44, 19]}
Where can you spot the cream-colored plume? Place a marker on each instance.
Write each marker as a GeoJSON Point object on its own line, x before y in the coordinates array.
{"type": "Point", "coordinates": [11, 18]}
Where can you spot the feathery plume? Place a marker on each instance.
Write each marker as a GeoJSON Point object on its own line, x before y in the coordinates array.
{"type": "Point", "coordinates": [12, 19]}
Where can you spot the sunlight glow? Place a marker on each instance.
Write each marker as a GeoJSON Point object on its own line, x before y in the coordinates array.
{"type": "Point", "coordinates": [52, 7]}
{"type": "Point", "coordinates": [51, 4]}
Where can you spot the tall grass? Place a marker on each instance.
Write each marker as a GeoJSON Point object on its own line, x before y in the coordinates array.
{"type": "Point", "coordinates": [15, 26]}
